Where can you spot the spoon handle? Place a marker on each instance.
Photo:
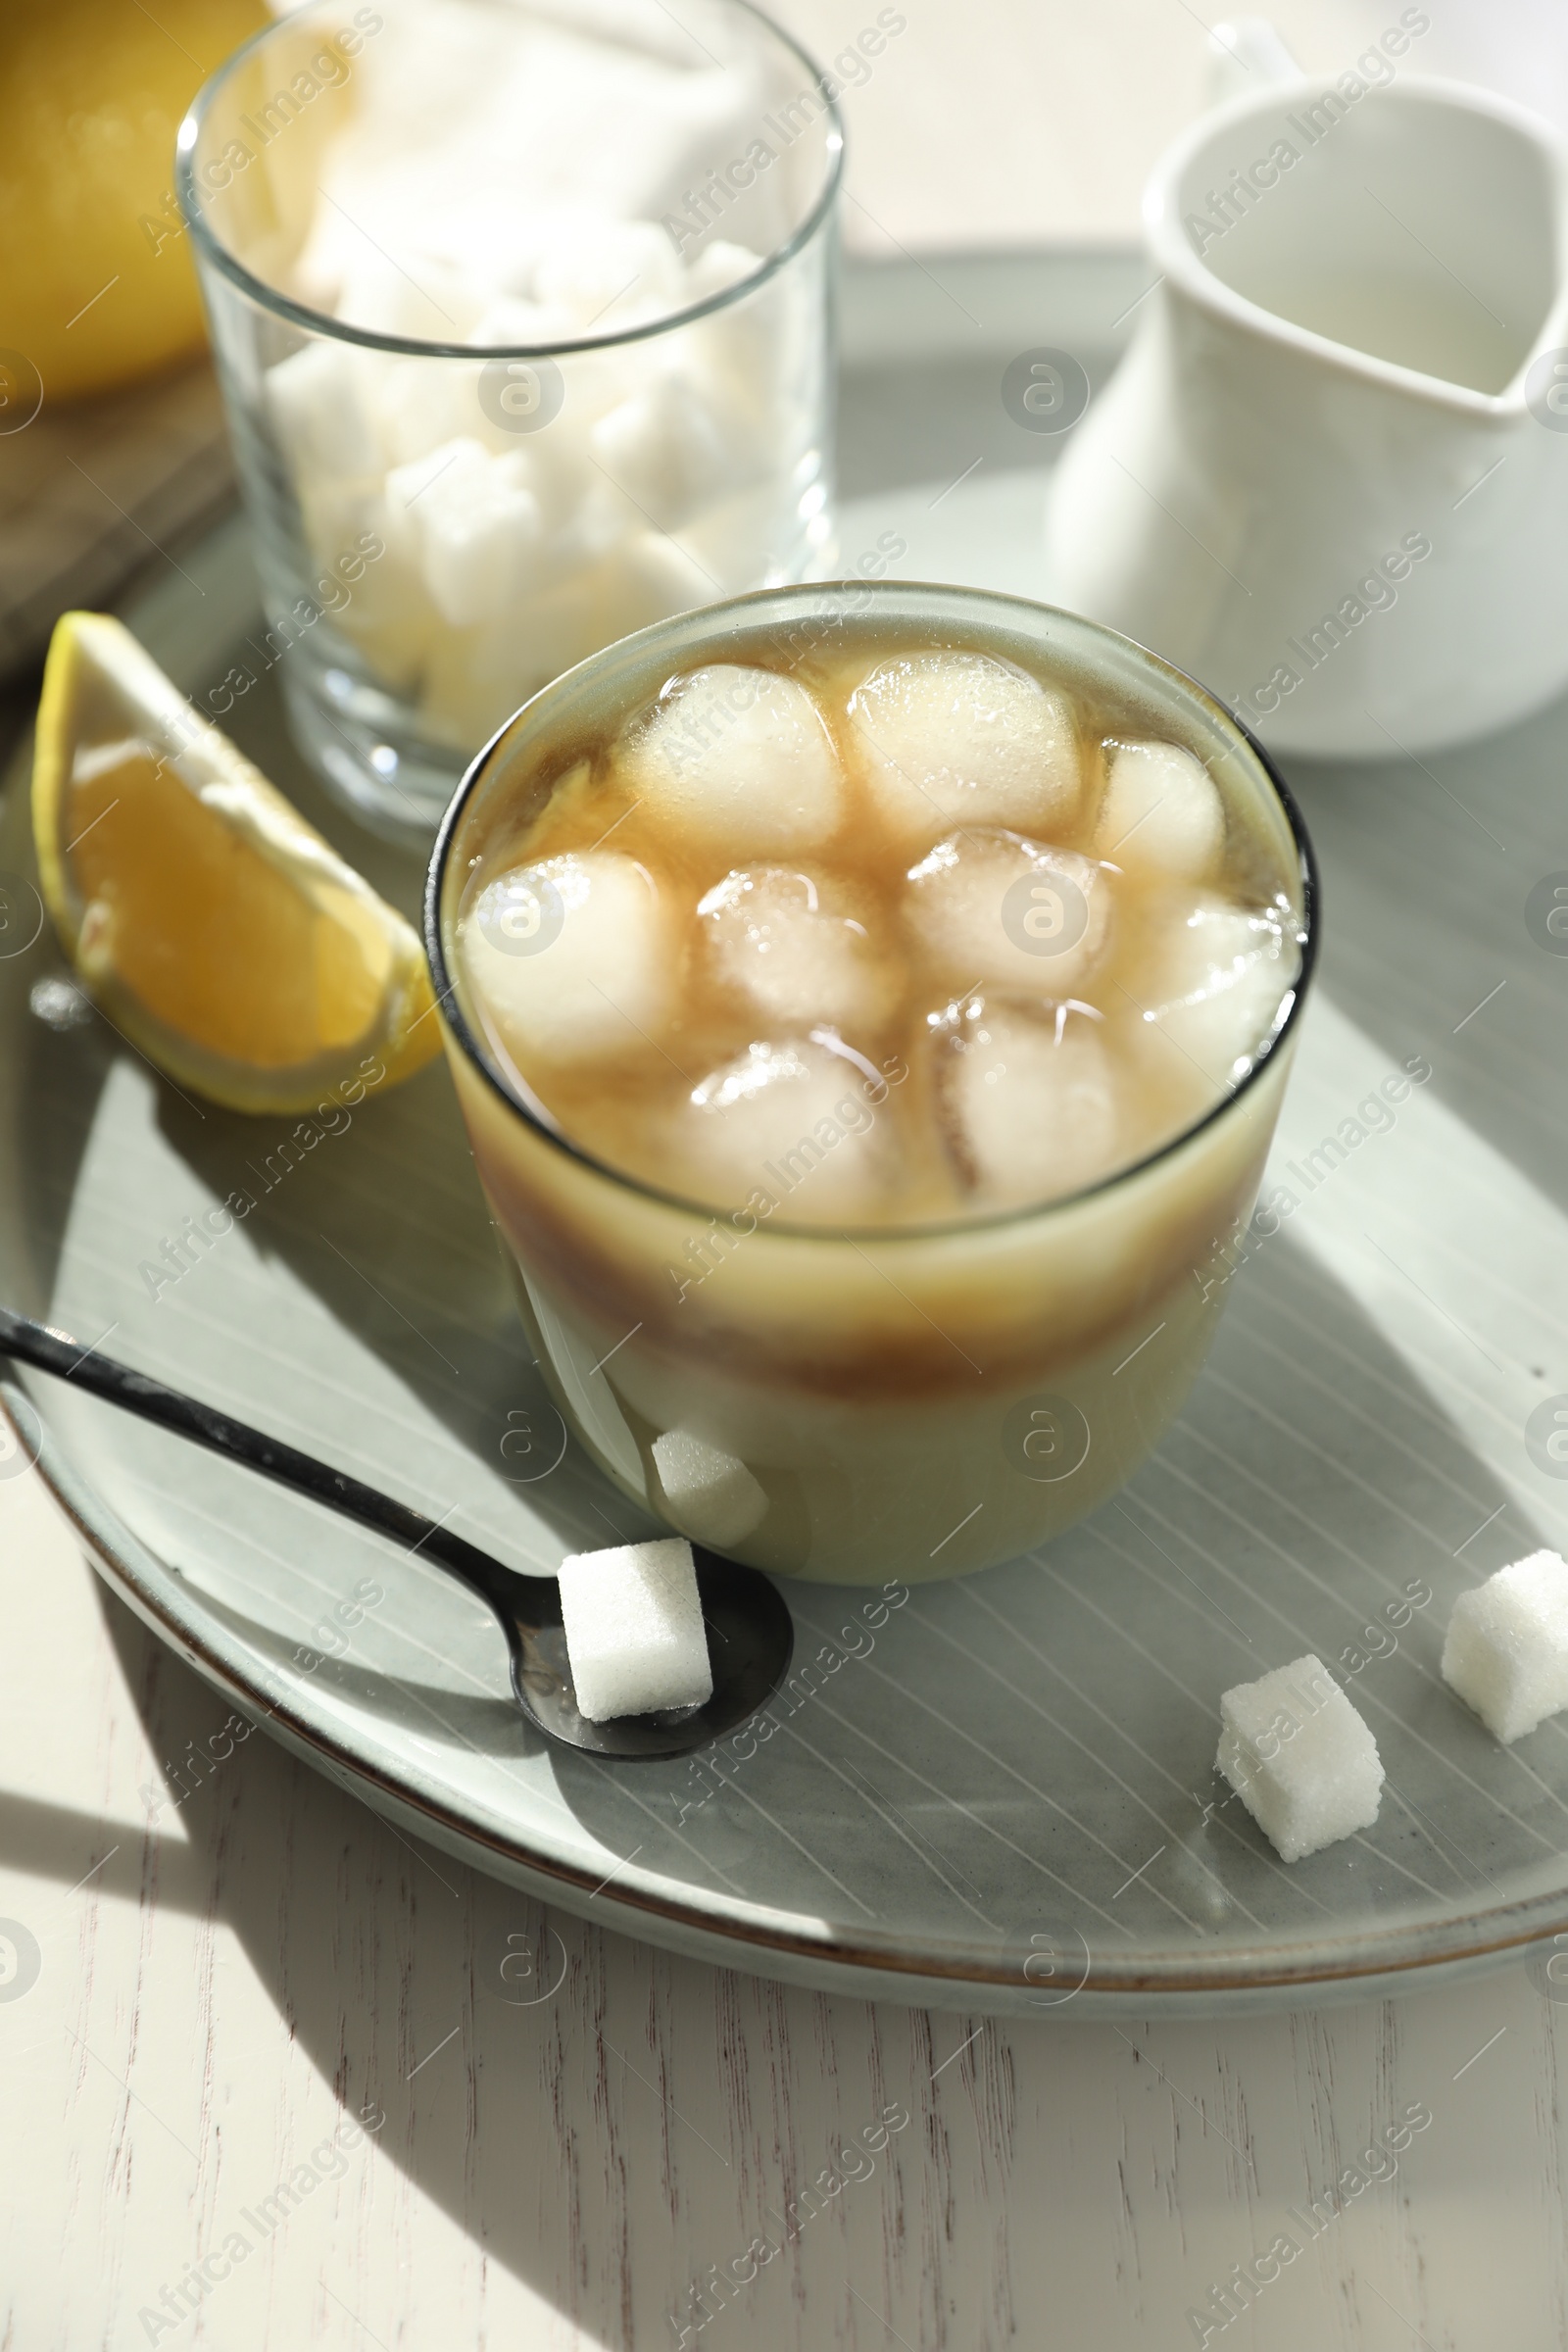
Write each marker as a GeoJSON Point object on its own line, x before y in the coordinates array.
{"type": "Point", "coordinates": [48, 1351]}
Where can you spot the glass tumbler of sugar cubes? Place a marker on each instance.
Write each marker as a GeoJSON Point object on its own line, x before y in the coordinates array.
{"type": "Point", "coordinates": [524, 321]}
{"type": "Point", "coordinates": [894, 1401]}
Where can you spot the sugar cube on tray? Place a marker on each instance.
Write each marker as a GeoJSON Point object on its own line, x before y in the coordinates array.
{"type": "Point", "coordinates": [1506, 1652]}
{"type": "Point", "coordinates": [1299, 1757]}
{"type": "Point", "coordinates": [635, 1638]}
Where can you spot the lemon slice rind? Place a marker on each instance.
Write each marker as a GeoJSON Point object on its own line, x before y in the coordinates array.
{"type": "Point", "coordinates": [104, 695]}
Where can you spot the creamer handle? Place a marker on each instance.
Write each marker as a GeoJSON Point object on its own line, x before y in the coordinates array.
{"type": "Point", "coordinates": [1246, 53]}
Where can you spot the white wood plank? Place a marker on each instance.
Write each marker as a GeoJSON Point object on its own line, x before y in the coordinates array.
{"type": "Point", "coordinates": [257, 1962]}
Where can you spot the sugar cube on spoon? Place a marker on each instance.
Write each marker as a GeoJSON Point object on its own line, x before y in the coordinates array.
{"type": "Point", "coordinates": [635, 1638]}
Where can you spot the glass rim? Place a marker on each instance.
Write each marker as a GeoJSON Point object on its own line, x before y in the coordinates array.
{"type": "Point", "coordinates": [301, 314]}
{"type": "Point", "coordinates": [450, 1008]}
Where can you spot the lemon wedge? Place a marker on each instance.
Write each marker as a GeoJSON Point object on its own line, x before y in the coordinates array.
{"type": "Point", "coordinates": [215, 928]}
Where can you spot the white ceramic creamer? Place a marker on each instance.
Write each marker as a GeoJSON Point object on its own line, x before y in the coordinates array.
{"type": "Point", "coordinates": [1329, 478]}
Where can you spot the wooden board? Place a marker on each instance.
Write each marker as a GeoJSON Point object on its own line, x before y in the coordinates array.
{"type": "Point", "coordinates": [92, 491]}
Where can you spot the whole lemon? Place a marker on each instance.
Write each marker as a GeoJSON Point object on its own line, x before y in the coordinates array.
{"type": "Point", "coordinates": [98, 287]}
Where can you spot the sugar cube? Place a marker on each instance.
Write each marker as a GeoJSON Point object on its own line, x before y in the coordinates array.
{"type": "Point", "coordinates": [712, 1493]}
{"type": "Point", "coordinates": [421, 405]}
{"type": "Point", "coordinates": [1299, 1757]}
{"type": "Point", "coordinates": [1506, 1652]}
{"type": "Point", "coordinates": [717, 267]}
{"type": "Point", "coordinates": [602, 271]}
{"type": "Point", "coordinates": [635, 1638]}
{"type": "Point", "coordinates": [724, 535]}
{"type": "Point", "coordinates": [510, 322]}
{"type": "Point", "coordinates": [431, 301]}
{"type": "Point", "coordinates": [315, 401]}
{"type": "Point", "coordinates": [643, 579]}
{"type": "Point", "coordinates": [475, 678]}
{"type": "Point", "coordinates": [521, 187]}
{"type": "Point", "coordinates": [665, 448]}
{"type": "Point", "coordinates": [473, 524]}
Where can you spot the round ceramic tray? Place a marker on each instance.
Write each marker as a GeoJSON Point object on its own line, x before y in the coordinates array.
{"type": "Point", "coordinates": [994, 1794]}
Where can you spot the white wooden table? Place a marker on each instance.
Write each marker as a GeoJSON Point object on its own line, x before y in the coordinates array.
{"type": "Point", "coordinates": [225, 1983]}
{"type": "Point", "coordinates": [380, 2101]}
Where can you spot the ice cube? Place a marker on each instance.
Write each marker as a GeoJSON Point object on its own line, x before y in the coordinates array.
{"type": "Point", "coordinates": [786, 943]}
{"type": "Point", "coordinates": [1161, 812]}
{"type": "Point", "coordinates": [635, 1636]}
{"type": "Point", "coordinates": [711, 1493]}
{"type": "Point", "coordinates": [950, 738]}
{"type": "Point", "coordinates": [1299, 1757]}
{"type": "Point", "coordinates": [795, 1121]}
{"type": "Point", "coordinates": [741, 758]}
{"type": "Point", "coordinates": [995, 906]}
{"type": "Point", "coordinates": [472, 525]}
{"type": "Point", "coordinates": [1506, 1651]}
{"type": "Point", "coordinates": [571, 957]}
{"type": "Point", "coordinates": [1213, 981]}
{"type": "Point", "coordinates": [1029, 1102]}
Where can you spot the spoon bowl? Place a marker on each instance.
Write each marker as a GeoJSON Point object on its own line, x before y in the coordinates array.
{"type": "Point", "coordinates": [751, 1635]}
{"type": "Point", "coordinates": [750, 1642]}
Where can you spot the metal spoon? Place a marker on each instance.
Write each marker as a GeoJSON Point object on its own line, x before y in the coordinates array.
{"type": "Point", "coordinates": [751, 1634]}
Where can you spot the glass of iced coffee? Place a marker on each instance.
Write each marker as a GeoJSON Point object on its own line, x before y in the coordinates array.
{"type": "Point", "coordinates": [870, 1007]}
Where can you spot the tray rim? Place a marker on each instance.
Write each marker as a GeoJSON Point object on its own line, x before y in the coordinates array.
{"type": "Point", "coordinates": [740, 1935]}
{"type": "Point", "coordinates": [718, 1929]}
